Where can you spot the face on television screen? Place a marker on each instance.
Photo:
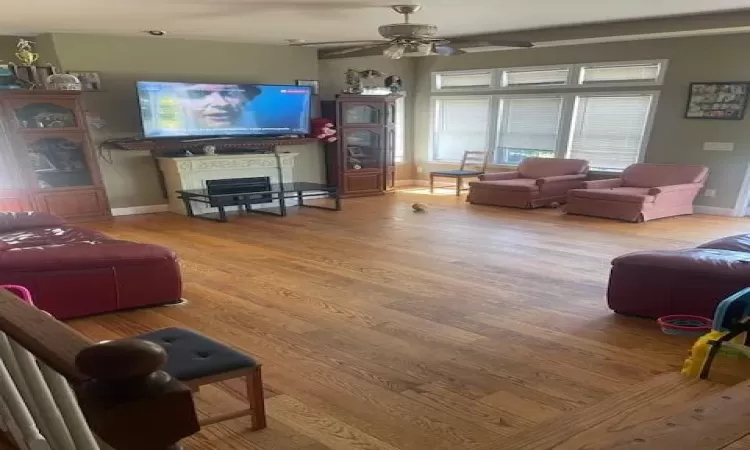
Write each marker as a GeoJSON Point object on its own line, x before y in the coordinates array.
{"type": "Point", "coordinates": [194, 109]}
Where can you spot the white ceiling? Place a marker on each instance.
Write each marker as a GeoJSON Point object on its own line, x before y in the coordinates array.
{"type": "Point", "coordinates": [274, 21]}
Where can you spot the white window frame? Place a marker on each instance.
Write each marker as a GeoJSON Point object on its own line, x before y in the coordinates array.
{"type": "Point", "coordinates": [574, 72]}
{"type": "Point", "coordinates": [561, 130]}
{"type": "Point", "coordinates": [646, 130]}
{"type": "Point", "coordinates": [566, 128]}
{"type": "Point", "coordinates": [663, 64]}
{"type": "Point", "coordinates": [491, 118]}
{"type": "Point", "coordinates": [436, 77]}
{"type": "Point", "coordinates": [501, 74]}
{"type": "Point", "coordinates": [399, 129]}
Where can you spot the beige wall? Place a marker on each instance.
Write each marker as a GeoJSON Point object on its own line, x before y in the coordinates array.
{"type": "Point", "coordinates": [131, 178]}
{"type": "Point", "coordinates": [673, 138]}
{"type": "Point", "coordinates": [332, 82]}
{"type": "Point", "coordinates": [7, 49]}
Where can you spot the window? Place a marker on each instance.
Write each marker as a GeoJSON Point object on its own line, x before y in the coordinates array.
{"type": "Point", "coordinates": [543, 77]}
{"type": "Point", "coordinates": [595, 112]}
{"type": "Point", "coordinates": [620, 73]}
{"type": "Point", "coordinates": [608, 131]}
{"type": "Point", "coordinates": [527, 126]}
{"type": "Point", "coordinates": [567, 76]}
{"type": "Point", "coordinates": [466, 79]}
{"type": "Point", "coordinates": [461, 123]}
{"type": "Point", "coordinates": [399, 127]}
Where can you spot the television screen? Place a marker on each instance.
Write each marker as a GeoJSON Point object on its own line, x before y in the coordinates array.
{"type": "Point", "coordinates": [195, 109]}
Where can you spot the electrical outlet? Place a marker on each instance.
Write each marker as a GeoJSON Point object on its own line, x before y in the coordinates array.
{"type": "Point", "coordinates": [710, 193]}
{"type": "Point", "coordinates": [419, 169]}
{"type": "Point", "coordinates": [718, 146]}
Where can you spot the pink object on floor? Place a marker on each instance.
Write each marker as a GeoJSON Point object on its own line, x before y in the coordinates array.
{"type": "Point", "coordinates": [19, 291]}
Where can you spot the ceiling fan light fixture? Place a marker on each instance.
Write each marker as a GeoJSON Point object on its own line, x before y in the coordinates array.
{"type": "Point", "coordinates": [395, 51]}
{"type": "Point", "coordinates": [425, 48]}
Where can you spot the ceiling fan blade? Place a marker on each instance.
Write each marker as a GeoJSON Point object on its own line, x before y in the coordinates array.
{"type": "Point", "coordinates": [362, 50]}
{"type": "Point", "coordinates": [286, 5]}
{"type": "Point", "coordinates": [314, 44]}
{"type": "Point", "coordinates": [470, 41]}
{"type": "Point", "coordinates": [447, 50]}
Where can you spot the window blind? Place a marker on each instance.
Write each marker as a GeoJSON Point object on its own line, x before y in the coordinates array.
{"type": "Point", "coordinates": [460, 124]}
{"type": "Point", "coordinates": [546, 77]}
{"type": "Point", "coordinates": [527, 126]}
{"type": "Point", "coordinates": [608, 131]}
{"type": "Point", "coordinates": [399, 127]}
{"type": "Point", "coordinates": [605, 74]}
{"type": "Point", "coordinates": [462, 80]}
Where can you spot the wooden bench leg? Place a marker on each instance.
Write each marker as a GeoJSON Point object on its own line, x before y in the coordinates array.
{"type": "Point", "coordinates": [459, 182]}
{"type": "Point", "coordinates": [255, 398]}
{"type": "Point", "coordinates": [432, 184]}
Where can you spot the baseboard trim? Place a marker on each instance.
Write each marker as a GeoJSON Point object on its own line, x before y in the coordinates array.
{"type": "Point", "coordinates": [714, 211]}
{"type": "Point", "coordinates": [408, 183]}
{"type": "Point", "coordinates": [133, 210]}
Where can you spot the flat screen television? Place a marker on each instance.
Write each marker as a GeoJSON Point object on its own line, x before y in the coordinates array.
{"type": "Point", "coordinates": [197, 109]}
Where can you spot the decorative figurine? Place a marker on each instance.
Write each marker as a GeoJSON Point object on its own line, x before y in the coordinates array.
{"type": "Point", "coordinates": [354, 82]}
{"type": "Point", "coordinates": [209, 149]}
{"type": "Point", "coordinates": [64, 82]}
{"type": "Point", "coordinates": [394, 83]}
{"type": "Point", "coordinates": [25, 52]}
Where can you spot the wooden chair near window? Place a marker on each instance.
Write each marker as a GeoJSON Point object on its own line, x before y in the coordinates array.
{"type": "Point", "coordinates": [474, 158]}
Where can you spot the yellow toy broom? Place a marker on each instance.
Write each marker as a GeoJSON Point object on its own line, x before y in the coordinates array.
{"type": "Point", "coordinates": [730, 325]}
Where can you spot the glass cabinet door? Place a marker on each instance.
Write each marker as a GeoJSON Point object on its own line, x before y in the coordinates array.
{"type": "Point", "coordinates": [361, 114]}
{"type": "Point", "coordinates": [59, 162]}
{"type": "Point", "coordinates": [45, 114]}
{"type": "Point", "coordinates": [363, 149]}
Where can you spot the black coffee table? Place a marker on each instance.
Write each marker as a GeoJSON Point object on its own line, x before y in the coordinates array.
{"type": "Point", "coordinates": [246, 200]}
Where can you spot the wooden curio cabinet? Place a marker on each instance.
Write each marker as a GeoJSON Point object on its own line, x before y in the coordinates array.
{"type": "Point", "coordinates": [46, 159]}
{"type": "Point", "coordinates": [362, 162]}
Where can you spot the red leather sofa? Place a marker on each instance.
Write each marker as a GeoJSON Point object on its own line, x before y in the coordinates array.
{"type": "Point", "coordinates": [73, 271]}
{"type": "Point", "coordinates": [690, 281]}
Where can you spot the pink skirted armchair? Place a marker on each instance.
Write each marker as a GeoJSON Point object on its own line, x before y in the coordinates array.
{"type": "Point", "coordinates": [643, 192]}
{"type": "Point", "coordinates": [537, 182]}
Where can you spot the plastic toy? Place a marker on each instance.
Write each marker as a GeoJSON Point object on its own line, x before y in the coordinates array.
{"type": "Point", "coordinates": [685, 325]}
{"type": "Point", "coordinates": [20, 291]}
{"type": "Point", "coordinates": [731, 322]}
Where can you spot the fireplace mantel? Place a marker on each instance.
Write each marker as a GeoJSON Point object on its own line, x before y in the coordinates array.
{"type": "Point", "coordinates": [191, 172]}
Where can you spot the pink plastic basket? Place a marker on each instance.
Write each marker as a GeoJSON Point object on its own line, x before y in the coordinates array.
{"type": "Point", "coordinates": [20, 291]}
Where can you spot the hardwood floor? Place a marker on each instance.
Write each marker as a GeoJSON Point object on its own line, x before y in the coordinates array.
{"type": "Point", "coordinates": [382, 329]}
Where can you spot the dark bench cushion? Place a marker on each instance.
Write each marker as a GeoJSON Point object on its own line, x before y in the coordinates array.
{"type": "Point", "coordinates": [191, 356]}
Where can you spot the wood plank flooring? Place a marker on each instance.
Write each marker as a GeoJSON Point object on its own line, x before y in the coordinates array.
{"type": "Point", "coordinates": [382, 329]}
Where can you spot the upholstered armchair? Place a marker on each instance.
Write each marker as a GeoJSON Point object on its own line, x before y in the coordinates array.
{"type": "Point", "coordinates": [643, 192]}
{"type": "Point", "coordinates": [537, 182]}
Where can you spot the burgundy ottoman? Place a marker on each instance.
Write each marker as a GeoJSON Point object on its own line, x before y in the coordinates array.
{"type": "Point", "coordinates": [73, 271]}
{"type": "Point", "coordinates": [691, 281]}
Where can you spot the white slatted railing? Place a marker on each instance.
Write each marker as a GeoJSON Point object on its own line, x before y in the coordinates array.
{"type": "Point", "coordinates": [38, 406]}
{"type": "Point", "coordinates": [53, 379]}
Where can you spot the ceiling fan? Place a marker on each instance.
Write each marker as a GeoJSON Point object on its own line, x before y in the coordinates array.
{"type": "Point", "coordinates": [410, 39]}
